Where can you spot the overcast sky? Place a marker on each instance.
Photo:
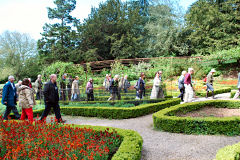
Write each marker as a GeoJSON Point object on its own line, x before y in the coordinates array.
{"type": "Point", "coordinates": [29, 16]}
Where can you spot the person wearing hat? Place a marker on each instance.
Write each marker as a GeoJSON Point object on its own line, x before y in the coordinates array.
{"type": "Point", "coordinates": [210, 82]}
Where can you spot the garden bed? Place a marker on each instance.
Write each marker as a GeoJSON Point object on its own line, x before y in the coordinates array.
{"type": "Point", "coordinates": [28, 141]}
{"type": "Point", "coordinates": [167, 119]}
{"type": "Point", "coordinates": [211, 112]}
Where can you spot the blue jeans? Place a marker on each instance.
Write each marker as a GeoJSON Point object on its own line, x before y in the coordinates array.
{"type": "Point", "coordinates": [209, 87]}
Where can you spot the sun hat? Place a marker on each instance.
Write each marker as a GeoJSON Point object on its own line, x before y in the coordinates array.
{"type": "Point", "coordinates": [213, 70]}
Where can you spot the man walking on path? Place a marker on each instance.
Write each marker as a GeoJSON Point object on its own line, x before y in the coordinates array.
{"type": "Point", "coordinates": [9, 98]}
{"type": "Point", "coordinates": [51, 99]}
{"type": "Point", "coordinates": [210, 83]}
{"type": "Point", "coordinates": [188, 86]}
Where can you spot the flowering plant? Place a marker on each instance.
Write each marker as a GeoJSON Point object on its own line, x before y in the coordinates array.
{"type": "Point", "coordinates": [24, 140]}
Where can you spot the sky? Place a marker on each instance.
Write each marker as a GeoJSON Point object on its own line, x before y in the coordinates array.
{"type": "Point", "coordinates": [29, 16]}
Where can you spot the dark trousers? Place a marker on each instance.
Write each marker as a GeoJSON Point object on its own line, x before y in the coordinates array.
{"type": "Point", "coordinates": [8, 111]}
{"type": "Point", "coordinates": [115, 95]}
{"type": "Point", "coordinates": [141, 94]}
{"type": "Point", "coordinates": [90, 97]}
{"type": "Point", "coordinates": [63, 94]}
{"type": "Point", "coordinates": [181, 95]}
{"type": "Point", "coordinates": [38, 95]}
{"type": "Point", "coordinates": [56, 109]}
{"type": "Point", "coordinates": [69, 93]}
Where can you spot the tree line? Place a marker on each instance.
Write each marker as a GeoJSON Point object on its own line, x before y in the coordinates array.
{"type": "Point", "coordinates": [140, 28]}
{"type": "Point", "coordinates": [129, 29]}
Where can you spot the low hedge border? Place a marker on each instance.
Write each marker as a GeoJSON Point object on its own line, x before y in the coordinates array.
{"type": "Point", "coordinates": [116, 112]}
{"type": "Point", "coordinates": [119, 112]}
{"type": "Point", "coordinates": [167, 121]}
{"type": "Point", "coordinates": [230, 152]}
{"type": "Point", "coordinates": [217, 91]}
{"type": "Point", "coordinates": [131, 146]}
{"type": "Point", "coordinates": [233, 92]}
{"type": "Point", "coordinates": [116, 101]}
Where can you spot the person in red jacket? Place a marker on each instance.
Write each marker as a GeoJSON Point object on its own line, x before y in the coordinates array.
{"type": "Point", "coordinates": [188, 86]}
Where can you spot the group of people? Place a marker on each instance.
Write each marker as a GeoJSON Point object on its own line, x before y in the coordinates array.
{"type": "Point", "coordinates": [185, 85]}
{"type": "Point", "coordinates": [116, 85]}
{"type": "Point", "coordinates": [25, 95]}
{"type": "Point", "coordinates": [69, 88]}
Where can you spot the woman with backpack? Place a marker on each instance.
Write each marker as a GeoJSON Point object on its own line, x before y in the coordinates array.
{"type": "Point", "coordinates": [26, 100]}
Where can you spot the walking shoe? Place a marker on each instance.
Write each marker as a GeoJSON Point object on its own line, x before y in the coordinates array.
{"type": "Point", "coordinates": [61, 121]}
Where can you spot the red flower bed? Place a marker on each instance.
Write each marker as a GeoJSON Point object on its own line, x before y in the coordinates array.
{"type": "Point", "coordinates": [23, 140]}
{"type": "Point", "coordinates": [228, 82]}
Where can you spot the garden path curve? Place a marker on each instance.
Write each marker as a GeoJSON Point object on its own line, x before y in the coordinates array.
{"type": "Point", "coordinates": [159, 145]}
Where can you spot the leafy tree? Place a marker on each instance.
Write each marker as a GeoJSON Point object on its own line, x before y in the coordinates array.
{"type": "Point", "coordinates": [18, 53]}
{"type": "Point", "coordinates": [165, 29]}
{"type": "Point", "coordinates": [61, 68]}
{"type": "Point", "coordinates": [213, 25]}
{"type": "Point", "coordinates": [58, 39]}
{"type": "Point", "coordinates": [114, 30]}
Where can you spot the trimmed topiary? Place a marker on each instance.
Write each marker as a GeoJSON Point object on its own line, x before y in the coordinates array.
{"type": "Point", "coordinates": [167, 120]}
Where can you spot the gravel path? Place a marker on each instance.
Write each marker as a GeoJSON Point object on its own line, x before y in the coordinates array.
{"type": "Point", "coordinates": [162, 145]}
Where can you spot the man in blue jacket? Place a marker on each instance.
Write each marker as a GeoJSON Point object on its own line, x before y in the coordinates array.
{"type": "Point", "coordinates": [9, 98]}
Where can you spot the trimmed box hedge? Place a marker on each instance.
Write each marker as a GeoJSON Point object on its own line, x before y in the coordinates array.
{"type": "Point", "coordinates": [117, 101]}
{"type": "Point", "coordinates": [217, 91]}
{"type": "Point", "coordinates": [131, 146]}
{"type": "Point", "coordinates": [233, 92]}
{"type": "Point", "coordinates": [116, 112]}
{"type": "Point", "coordinates": [230, 152]}
{"type": "Point", "coordinates": [166, 120]}
{"type": "Point", "coordinates": [119, 112]}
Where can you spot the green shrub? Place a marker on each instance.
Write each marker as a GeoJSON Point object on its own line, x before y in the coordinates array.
{"type": "Point", "coordinates": [229, 153]}
{"type": "Point", "coordinates": [233, 92]}
{"type": "Point", "coordinates": [131, 146]}
{"type": "Point", "coordinates": [167, 121]}
{"type": "Point", "coordinates": [116, 112]}
{"type": "Point", "coordinates": [218, 91]}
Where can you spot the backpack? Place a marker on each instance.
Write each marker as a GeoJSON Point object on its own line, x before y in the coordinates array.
{"type": "Point", "coordinates": [205, 79]}
{"type": "Point", "coordinates": [136, 85]}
